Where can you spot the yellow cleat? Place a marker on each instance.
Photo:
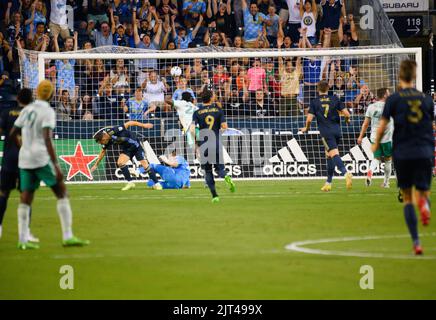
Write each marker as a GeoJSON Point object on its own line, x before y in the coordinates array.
{"type": "Point", "coordinates": [348, 180]}
{"type": "Point", "coordinates": [327, 187]}
{"type": "Point", "coordinates": [130, 185]}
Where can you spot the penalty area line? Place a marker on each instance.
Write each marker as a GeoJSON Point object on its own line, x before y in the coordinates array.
{"type": "Point", "coordinates": [300, 246]}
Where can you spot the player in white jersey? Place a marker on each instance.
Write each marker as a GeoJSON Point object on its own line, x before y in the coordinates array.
{"type": "Point", "coordinates": [384, 152]}
{"type": "Point", "coordinates": [185, 109]}
{"type": "Point", "coordinates": [37, 162]}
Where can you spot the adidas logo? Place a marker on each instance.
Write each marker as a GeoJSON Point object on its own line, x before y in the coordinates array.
{"type": "Point", "coordinates": [358, 159]}
{"type": "Point", "coordinates": [290, 160]}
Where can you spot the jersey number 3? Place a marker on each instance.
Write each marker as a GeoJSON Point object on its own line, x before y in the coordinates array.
{"type": "Point", "coordinates": [415, 115]}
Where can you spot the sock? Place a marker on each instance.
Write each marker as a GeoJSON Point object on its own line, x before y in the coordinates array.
{"type": "Point", "coordinates": [126, 173]}
{"type": "Point", "coordinates": [141, 170]}
{"type": "Point", "coordinates": [412, 223]}
{"type": "Point", "coordinates": [151, 174]}
{"type": "Point", "coordinates": [337, 161]}
{"type": "Point", "coordinates": [23, 222]}
{"type": "Point", "coordinates": [1, 230]}
{"type": "Point", "coordinates": [388, 170]}
{"type": "Point", "coordinates": [66, 217]}
{"type": "Point", "coordinates": [330, 170]}
{"type": "Point", "coordinates": [374, 164]}
{"type": "Point", "coordinates": [210, 181]}
{"type": "Point", "coordinates": [3, 206]}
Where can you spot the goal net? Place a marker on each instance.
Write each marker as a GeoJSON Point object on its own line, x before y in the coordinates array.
{"type": "Point", "coordinates": [264, 94]}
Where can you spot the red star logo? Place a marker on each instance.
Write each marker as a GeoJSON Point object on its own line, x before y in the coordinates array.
{"type": "Point", "coordinates": [79, 163]}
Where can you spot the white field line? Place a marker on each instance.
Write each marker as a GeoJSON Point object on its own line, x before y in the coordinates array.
{"type": "Point", "coordinates": [300, 246]}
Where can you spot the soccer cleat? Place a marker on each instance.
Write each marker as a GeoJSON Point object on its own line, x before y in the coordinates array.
{"type": "Point", "coordinates": [385, 185]}
{"type": "Point", "coordinates": [32, 238]}
{"type": "Point", "coordinates": [327, 187]}
{"type": "Point", "coordinates": [418, 250]}
{"type": "Point", "coordinates": [157, 186]}
{"type": "Point", "coordinates": [27, 246]}
{"type": "Point", "coordinates": [75, 242]}
{"type": "Point", "coordinates": [348, 180]}
{"type": "Point", "coordinates": [230, 183]}
{"type": "Point", "coordinates": [368, 180]}
{"type": "Point", "coordinates": [128, 186]}
{"type": "Point", "coordinates": [424, 210]}
{"type": "Point", "coordinates": [400, 196]}
{"type": "Point", "coordinates": [215, 200]}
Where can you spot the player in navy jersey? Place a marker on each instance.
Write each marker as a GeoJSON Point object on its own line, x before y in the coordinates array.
{"type": "Point", "coordinates": [327, 110]}
{"type": "Point", "coordinates": [9, 176]}
{"type": "Point", "coordinates": [413, 145]}
{"type": "Point", "coordinates": [210, 119]}
{"type": "Point", "coordinates": [130, 147]}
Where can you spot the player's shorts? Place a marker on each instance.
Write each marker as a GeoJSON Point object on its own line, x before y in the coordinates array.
{"type": "Point", "coordinates": [416, 172]}
{"type": "Point", "coordinates": [385, 150]}
{"type": "Point", "coordinates": [138, 153]}
{"type": "Point", "coordinates": [30, 179]}
{"type": "Point", "coordinates": [331, 142]}
{"type": "Point", "coordinates": [9, 180]}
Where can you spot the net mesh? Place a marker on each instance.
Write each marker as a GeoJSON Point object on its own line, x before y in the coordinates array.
{"type": "Point", "coordinates": [264, 98]}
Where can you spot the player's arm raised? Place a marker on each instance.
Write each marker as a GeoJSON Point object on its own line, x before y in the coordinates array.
{"type": "Point", "coordinates": [365, 126]}
{"type": "Point", "coordinates": [129, 124]}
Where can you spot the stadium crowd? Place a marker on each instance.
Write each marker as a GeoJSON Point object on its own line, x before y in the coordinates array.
{"type": "Point", "coordinates": [106, 89]}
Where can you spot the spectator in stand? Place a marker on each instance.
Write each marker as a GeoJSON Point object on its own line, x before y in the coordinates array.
{"type": "Point", "coordinates": [192, 10]}
{"type": "Point", "coordinates": [217, 39]}
{"type": "Point", "coordinates": [348, 38]}
{"type": "Point", "coordinates": [309, 14]}
{"type": "Point", "coordinates": [119, 32]}
{"type": "Point", "coordinates": [123, 9]}
{"type": "Point", "coordinates": [222, 16]}
{"type": "Point", "coordinates": [203, 83]}
{"type": "Point", "coordinates": [221, 81]}
{"type": "Point", "coordinates": [65, 106]}
{"type": "Point", "coordinates": [354, 83]}
{"type": "Point", "coordinates": [36, 40]}
{"type": "Point", "coordinates": [58, 19]}
{"type": "Point", "coordinates": [256, 78]}
{"type": "Point", "coordinates": [272, 26]}
{"type": "Point", "coordinates": [284, 42]}
{"type": "Point", "coordinates": [336, 80]}
{"type": "Point", "coordinates": [120, 78]}
{"type": "Point", "coordinates": [290, 86]}
{"type": "Point", "coordinates": [155, 90]}
{"type": "Point", "coordinates": [253, 23]}
{"type": "Point", "coordinates": [107, 105]}
{"type": "Point", "coordinates": [236, 100]}
{"type": "Point", "coordinates": [5, 13]}
{"type": "Point", "coordinates": [167, 8]}
{"type": "Point", "coordinates": [181, 38]}
{"type": "Point", "coordinates": [65, 68]}
{"type": "Point", "coordinates": [97, 10]}
{"type": "Point", "coordinates": [103, 37]}
{"type": "Point", "coordinates": [264, 5]}
{"type": "Point", "coordinates": [84, 32]}
{"type": "Point", "coordinates": [331, 14]}
{"type": "Point", "coordinates": [30, 66]}
{"type": "Point", "coordinates": [137, 108]}
{"type": "Point", "coordinates": [146, 65]}
{"type": "Point", "coordinates": [26, 9]}
{"type": "Point", "coordinates": [261, 106]}
{"type": "Point", "coordinates": [15, 28]}
{"type": "Point", "coordinates": [39, 13]}
{"type": "Point", "coordinates": [294, 22]}
{"type": "Point", "coordinates": [238, 42]}
{"type": "Point", "coordinates": [363, 100]}
{"type": "Point", "coordinates": [85, 110]}
{"type": "Point", "coordinates": [182, 86]}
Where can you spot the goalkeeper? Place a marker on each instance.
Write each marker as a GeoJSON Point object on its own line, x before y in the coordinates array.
{"type": "Point", "coordinates": [174, 172]}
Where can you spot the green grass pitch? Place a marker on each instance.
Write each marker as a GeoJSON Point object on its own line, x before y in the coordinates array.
{"type": "Point", "coordinates": [175, 244]}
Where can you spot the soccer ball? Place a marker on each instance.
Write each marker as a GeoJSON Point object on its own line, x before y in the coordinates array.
{"type": "Point", "coordinates": [176, 71]}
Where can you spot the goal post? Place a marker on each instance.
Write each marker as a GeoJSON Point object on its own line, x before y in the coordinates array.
{"type": "Point", "coordinates": [264, 94]}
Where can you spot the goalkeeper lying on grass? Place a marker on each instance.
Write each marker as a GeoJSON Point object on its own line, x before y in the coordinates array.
{"type": "Point", "coordinates": [174, 172]}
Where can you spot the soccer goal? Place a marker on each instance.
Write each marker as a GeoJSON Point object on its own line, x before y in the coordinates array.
{"type": "Point", "coordinates": [264, 93]}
